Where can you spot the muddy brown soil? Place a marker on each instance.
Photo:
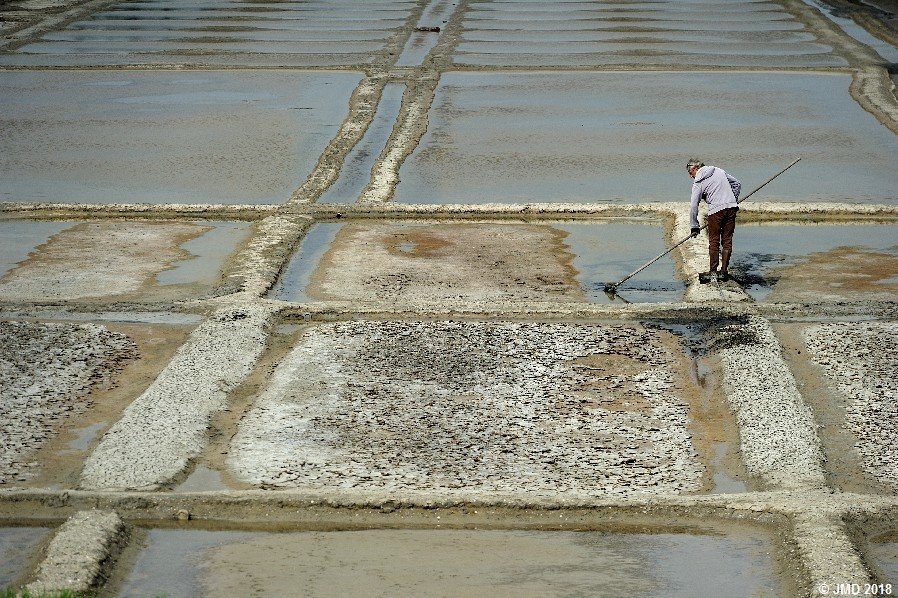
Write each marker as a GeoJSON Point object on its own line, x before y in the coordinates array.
{"type": "Point", "coordinates": [47, 372]}
{"type": "Point", "coordinates": [60, 460]}
{"type": "Point", "coordinates": [880, 17]}
{"type": "Point", "coordinates": [223, 427]}
{"type": "Point", "coordinates": [473, 262]}
{"type": "Point", "coordinates": [845, 273]}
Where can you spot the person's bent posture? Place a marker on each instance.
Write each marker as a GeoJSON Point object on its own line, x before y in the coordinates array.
{"type": "Point", "coordinates": [721, 192]}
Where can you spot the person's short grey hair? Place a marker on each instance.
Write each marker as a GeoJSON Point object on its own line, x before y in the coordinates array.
{"type": "Point", "coordinates": [694, 162]}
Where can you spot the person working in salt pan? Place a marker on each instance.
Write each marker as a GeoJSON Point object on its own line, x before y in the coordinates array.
{"type": "Point", "coordinates": [721, 192]}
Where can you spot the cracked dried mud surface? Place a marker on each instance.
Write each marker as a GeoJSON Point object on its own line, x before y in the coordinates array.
{"type": "Point", "coordinates": [860, 360]}
{"type": "Point", "coordinates": [46, 374]}
{"type": "Point", "coordinates": [536, 408]}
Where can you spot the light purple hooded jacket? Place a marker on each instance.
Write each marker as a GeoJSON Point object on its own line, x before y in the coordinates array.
{"type": "Point", "coordinates": [716, 187]}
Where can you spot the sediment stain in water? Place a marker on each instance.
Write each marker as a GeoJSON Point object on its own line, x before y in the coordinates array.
{"type": "Point", "coordinates": [817, 262]}
{"type": "Point", "coordinates": [169, 563]}
{"type": "Point", "coordinates": [453, 562]}
{"type": "Point", "coordinates": [839, 274]}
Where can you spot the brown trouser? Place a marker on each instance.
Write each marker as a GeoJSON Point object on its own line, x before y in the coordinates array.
{"type": "Point", "coordinates": [720, 237]}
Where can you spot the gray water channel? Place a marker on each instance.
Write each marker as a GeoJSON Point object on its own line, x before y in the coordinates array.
{"type": "Point", "coordinates": [208, 252]}
{"type": "Point", "coordinates": [218, 137]}
{"type": "Point", "coordinates": [19, 238]}
{"type": "Point", "coordinates": [186, 563]}
{"type": "Point", "coordinates": [17, 547]}
{"type": "Point", "coordinates": [291, 284]}
{"type": "Point", "coordinates": [519, 137]}
{"type": "Point", "coordinates": [356, 171]}
{"type": "Point", "coordinates": [762, 251]}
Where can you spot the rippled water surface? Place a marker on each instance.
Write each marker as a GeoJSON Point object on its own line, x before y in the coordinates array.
{"type": "Point", "coordinates": [231, 137]}
{"type": "Point", "coordinates": [624, 138]}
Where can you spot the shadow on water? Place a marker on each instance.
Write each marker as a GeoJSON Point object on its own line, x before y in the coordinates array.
{"type": "Point", "coordinates": [755, 272]}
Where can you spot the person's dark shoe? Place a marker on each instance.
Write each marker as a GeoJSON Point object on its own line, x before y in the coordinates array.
{"type": "Point", "coordinates": [706, 277]}
{"type": "Point", "coordinates": [723, 276]}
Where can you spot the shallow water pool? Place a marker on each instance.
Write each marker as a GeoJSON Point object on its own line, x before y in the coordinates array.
{"type": "Point", "coordinates": [452, 562]}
